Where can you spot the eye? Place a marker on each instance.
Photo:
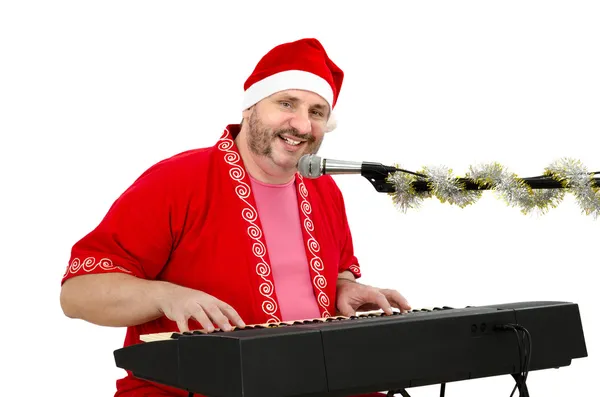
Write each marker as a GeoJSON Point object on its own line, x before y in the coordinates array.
{"type": "Point", "coordinates": [285, 104]}
{"type": "Point", "coordinates": [318, 113]}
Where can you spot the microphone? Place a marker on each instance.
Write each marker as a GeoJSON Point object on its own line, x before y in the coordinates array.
{"type": "Point", "coordinates": [312, 166]}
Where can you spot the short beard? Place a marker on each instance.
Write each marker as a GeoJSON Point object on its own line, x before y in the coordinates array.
{"type": "Point", "coordinates": [261, 137]}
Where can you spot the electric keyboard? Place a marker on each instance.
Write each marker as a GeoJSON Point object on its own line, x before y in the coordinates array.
{"type": "Point", "coordinates": [343, 356]}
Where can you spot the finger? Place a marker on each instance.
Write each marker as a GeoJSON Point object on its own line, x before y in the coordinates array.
{"type": "Point", "coordinates": [233, 316]}
{"type": "Point", "coordinates": [380, 299]}
{"type": "Point", "coordinates": [217, 316]}
{"type": "Point", "coordinates": [345, 308]}
{"type": "Point", "coordinates": [182, 324]}
{"type": "Point", "coordinates": [201, 316]}
{"type": "Point", "coordinates": [397, 300]}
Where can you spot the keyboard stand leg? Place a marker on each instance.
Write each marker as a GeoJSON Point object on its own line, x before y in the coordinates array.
{"type": "Point", "coordinates": [523, 392]}
{"type": "Point", "coordinates": [402, 392]}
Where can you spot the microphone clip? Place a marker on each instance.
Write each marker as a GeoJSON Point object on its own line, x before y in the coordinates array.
{"type": "Point", "coordinates": [377, 175]}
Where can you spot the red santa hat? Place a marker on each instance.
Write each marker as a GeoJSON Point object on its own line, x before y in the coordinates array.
{"type": "Point", "coordinates": [300, 65]}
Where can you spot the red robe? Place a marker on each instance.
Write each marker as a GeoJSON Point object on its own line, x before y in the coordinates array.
{"type": "Point", "coordinates": [192, 220]}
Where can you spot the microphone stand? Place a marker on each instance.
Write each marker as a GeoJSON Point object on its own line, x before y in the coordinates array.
{"type": "Point", "coordinates": [377, 174]}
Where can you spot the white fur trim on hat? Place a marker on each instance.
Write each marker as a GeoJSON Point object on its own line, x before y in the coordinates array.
{"type": "Point", "coordinates": [331, 123]}
{"type": "Point", "coordinates": [287, 80]}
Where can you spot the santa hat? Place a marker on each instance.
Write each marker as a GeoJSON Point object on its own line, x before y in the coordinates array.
{"type": "Point", "coordinates": [300, 65]}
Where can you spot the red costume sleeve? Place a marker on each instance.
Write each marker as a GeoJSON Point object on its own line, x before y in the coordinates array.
{"type": "Point", "coordinates": [137, 234]}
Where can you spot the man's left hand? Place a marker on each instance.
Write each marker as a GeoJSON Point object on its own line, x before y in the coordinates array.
{"type": "Point", "coordinates": [353, 296]}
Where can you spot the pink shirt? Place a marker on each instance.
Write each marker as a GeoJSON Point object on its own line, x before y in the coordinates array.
{"type": "Point", "coordinates": [279, 214]}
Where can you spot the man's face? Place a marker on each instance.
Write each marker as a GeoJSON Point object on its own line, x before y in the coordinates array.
{"type": "Point", "coordinates": [285, 126]}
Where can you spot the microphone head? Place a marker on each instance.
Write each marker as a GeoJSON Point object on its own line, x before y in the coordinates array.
{"type": "Point", "coordinates": [309, 166]}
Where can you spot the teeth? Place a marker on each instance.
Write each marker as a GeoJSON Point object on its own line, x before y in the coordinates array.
{"type": "Point", "coordinates": [291, 142]}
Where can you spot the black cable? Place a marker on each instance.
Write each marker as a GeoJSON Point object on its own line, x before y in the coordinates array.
{"type": "Point", "coordinates": [528, 361]}
{"type": "Point", "coordinates": [524, 344]}
{"type": "Point", "coordinates": [517, 383]}
{"type": "Point", "coordinates": [526, 179]}
{"type": "Point", "coordinates": [526, 357]}
{"type": "Point", "coordinates": [410, 172]}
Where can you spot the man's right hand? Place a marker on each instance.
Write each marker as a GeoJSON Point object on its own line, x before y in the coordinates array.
{"type": "Point", "coordinates": [179, 304]}
{"type": "Point", "coordinates": [123, 300]}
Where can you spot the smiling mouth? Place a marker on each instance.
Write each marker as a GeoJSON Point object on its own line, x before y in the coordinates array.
{"type": "Point", "coordinates": [290, 141]}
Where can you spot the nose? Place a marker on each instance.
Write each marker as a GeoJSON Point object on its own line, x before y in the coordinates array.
{"type": "Point", "coordinates": [301, 122]}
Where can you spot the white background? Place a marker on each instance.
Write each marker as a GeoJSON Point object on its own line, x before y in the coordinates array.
{"type": "Point", "coordinates": [93, 93]}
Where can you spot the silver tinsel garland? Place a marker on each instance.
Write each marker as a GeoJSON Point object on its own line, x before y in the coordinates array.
{"type": "Point", "coordinates": [513, 190]}
{"type": "Point", "coordinates": [571, 174]}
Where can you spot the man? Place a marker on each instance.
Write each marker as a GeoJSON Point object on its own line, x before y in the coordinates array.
{"type": "Point", "coordinates": [231, 234]}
